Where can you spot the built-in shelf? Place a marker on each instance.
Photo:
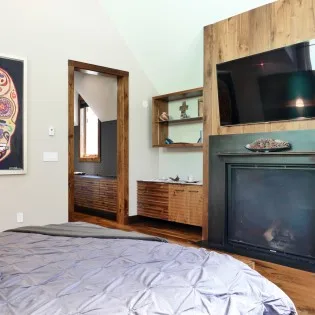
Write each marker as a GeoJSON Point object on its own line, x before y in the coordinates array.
{"type": "Point", "coordinates": [179, 121]}
{"type": "Point", "coordinates": [180, 95]}
{"type": "Point", "coordinates": [180, 145]}
{"type": "Point", "coordinates": [160, 129]}
{"type": "Point", "coordinates": [264, 153]}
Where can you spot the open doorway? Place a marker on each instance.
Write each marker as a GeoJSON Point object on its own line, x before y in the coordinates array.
{"type": "Point", "coordinates": [92, 151]}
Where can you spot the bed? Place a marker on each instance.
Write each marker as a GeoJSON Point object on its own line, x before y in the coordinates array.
{"type": "Point", "coordinates": [80, 268]}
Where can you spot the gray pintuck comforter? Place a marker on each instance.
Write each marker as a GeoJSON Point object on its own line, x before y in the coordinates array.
{"type": "Point", "coordinates": [96, 274]}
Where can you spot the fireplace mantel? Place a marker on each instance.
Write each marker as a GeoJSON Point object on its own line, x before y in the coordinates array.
{"type": "Point", "coordinates": [265, 153]}
{"type": "Point", "coordinates": [228, 152]}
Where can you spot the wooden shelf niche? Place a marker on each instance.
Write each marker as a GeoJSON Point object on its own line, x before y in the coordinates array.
{"type": "Point", "coordinates": [183, 132]}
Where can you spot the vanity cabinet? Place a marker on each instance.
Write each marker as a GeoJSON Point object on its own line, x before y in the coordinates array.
{"type": "Point", "coordinates": [180, 203]}
{"type": "Point", "coordinates": [95, 193]}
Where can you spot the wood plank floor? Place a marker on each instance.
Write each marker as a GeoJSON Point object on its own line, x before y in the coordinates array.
{"type": "Point", "coordinates": [176, 232]}
{"type": "Point", "coordinates": [299, 285]}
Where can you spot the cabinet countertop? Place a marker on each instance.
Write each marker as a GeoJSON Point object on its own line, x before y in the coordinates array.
{"type": "Point", "coordinates": [96, 176]}
{"type": "Point", "coordinates": [181, 182]}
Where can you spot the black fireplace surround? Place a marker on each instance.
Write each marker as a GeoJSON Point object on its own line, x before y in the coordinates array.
{"type": "Point", "coordinates": [262, 205]}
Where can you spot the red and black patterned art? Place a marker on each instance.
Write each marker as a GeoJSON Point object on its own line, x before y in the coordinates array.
{"type": "Point", "coordinates": [12, 115]}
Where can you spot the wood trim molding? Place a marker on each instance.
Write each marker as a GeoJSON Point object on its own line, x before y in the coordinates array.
{"type": "Point", "coordinates": [90, 67]}
{"type": "Point", "coordinates": [123, 149]}
{"type": "Point", "coordinates": [122, 138]}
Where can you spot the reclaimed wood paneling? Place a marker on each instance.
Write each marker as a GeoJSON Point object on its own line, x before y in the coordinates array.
{"type": "Point", "coordinates": [274, 25]}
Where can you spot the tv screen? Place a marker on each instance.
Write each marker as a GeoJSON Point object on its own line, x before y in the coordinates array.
{"type": "Point", "coordinates": [275, 85]}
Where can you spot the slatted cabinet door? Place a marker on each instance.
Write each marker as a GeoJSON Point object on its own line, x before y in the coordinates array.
{"type": "Point", "coordinates": [195, 204]}
{"type": "Point", "coordinates": [153, 200]}
{"type": "Point", "coordinates": [96, 193]}
{"type": "Point", "coordinates": [87, 192]}
{"type": "Point", "coordinates": [108, 194]}
{"type": "Point", "coordinates": [178, 207]}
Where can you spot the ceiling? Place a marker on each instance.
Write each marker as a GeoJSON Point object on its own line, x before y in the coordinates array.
{"type": "Point", "coordinates": [166, 36]}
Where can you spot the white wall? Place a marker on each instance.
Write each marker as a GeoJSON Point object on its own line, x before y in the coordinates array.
{"type": "Point", "coordinates": [164, 54]}
{"type": "Point", "coordinates": [49, 33]}
{"type": "Point", "coordinates": [100, 93]}
{"type": "Point", "coordinates": [167, 40]}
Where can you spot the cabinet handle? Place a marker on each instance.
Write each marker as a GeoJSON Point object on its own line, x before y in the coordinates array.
{"type": "Point", "coordinates": [179, 190]}
{"type": "Point", "coordinates": [194, 191]}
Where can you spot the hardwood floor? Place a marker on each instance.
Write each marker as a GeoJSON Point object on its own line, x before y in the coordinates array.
{"type": "Point", "coordinates": [176, 232]}
{"type": "Point", "coordinates": [299, 285]}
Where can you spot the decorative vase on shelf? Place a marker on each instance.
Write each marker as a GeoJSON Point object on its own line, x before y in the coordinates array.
{"type": "Point", "coordinates": [168, 141]}
{"type": "Point", "coordinates": [200, 138]}
{"type": "Point", "coordinates": [164, 117]}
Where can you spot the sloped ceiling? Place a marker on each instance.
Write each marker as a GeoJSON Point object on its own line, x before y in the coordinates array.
{"type": "Point", "coordinates": [99, 92]}
{"type": "Point", "coordinates": [166, 36]}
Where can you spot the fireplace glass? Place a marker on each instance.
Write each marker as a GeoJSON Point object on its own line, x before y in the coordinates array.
{"type": "Point", "coordinates": [272, 208]}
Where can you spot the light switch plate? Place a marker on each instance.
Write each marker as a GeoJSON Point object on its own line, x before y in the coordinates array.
{"type": "Point", "coordinates": [19, 217]}
{"type": "Point", "coordinates": [51, 131]}
{"type": "Point", "coordinates": [50, 156]}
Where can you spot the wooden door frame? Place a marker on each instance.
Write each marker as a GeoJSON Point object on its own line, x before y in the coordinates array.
{"type": "Point", "coordinates": [122, 135]}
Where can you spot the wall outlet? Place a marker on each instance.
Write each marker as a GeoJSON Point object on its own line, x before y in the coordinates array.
{"type": "Point", "coordinates": [19, 217]}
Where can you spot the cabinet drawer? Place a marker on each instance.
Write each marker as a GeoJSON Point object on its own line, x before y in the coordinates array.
{"type": "Point", "coordinates": [153, 200]}
{"type": "Point", "coordinates": [108, 194]}
{"type": "Point", "coordinates": [178, 208]}
{"type": "Point", "coordinates": [195, 204]}
{"type": "Point", "coordinates": [86, 192]}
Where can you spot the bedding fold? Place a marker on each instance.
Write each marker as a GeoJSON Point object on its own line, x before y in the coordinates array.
{"type": "Point", "coordinates": [79, 268]}
{"type": "Point", "coordinates": [83, 229]}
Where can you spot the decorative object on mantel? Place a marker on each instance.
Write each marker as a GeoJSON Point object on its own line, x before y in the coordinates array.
{"type": "Point", "coordinates": [268, 145]}
{"type": "Point", "coordinates": [164, 117]}
{"type": "Point", "coordinates": [176, 179]}
{"type": "Point", "coordinates": [183, 109]}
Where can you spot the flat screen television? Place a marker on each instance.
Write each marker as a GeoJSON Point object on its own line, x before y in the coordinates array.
{"type": "Point", "coordinates": [275, 85]}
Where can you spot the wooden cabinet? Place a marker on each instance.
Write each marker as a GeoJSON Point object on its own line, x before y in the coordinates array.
{"type": "Point", "coordinates": [94, 192]}
{"type": "Point", "coordinates": [194, 195]}
{"type": "Point", "coordinates": [108, 194]}
{"type": "Point", "coordinates": [177, 206]}
{"type": "Point", "coordinates": [153, 200]}
{"type": "Point", "coordinates": [172, 202]}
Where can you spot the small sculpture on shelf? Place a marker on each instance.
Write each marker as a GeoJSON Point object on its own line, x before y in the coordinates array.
{"type": "Point", "coordinates": [183, 108]}
{"type": "Point", "coordinates": [164, 117]}
{"type": "Point", "coordinates": [176, 179]}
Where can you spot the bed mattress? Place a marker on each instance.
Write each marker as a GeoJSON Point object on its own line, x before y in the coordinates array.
{"type": "Point", "coordinates": [51, 274]}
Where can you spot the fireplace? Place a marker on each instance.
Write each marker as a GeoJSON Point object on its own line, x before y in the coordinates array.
{"type": "Point", "coordinates": [262, 205]}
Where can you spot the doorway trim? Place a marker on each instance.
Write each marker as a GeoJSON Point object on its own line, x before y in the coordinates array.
{"type": "Point", "coordinates": [122, 135]}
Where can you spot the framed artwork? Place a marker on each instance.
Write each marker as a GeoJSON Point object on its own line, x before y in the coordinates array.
{"type": "Point", "coordinates": [13, 134]}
